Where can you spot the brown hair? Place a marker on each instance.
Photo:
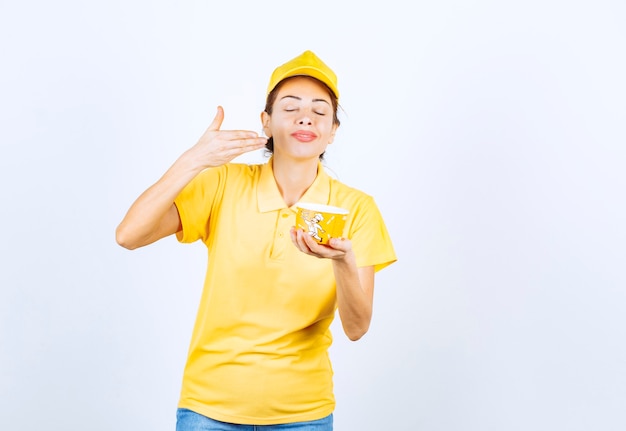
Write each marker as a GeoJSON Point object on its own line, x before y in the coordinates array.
{"type": "Point", "coordinates": [271, 98]}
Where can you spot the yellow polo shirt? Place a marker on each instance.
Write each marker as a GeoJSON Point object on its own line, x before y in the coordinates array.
{"type": "Point", "coordinates": [259, 348]}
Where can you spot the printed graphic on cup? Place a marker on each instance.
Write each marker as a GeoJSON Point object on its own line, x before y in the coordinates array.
{"type": "Point", "coordinates": [322, 222]}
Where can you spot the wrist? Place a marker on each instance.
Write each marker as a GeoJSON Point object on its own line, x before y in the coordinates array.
{"type": "Point", "coordinates": [345, 259]}
{"type": "Point", "coordinates": [188, 164]}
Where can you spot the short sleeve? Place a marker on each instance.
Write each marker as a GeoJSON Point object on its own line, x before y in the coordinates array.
{"type": "Point", "coordinates": [196, 202]}
{"type": "Point", "coordinates": [370, 239]}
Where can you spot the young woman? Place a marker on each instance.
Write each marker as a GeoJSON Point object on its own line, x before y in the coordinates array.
{"type": "Point", "coordinates": [259, 349]}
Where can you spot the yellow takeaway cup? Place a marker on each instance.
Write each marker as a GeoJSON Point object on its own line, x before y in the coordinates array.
{"type": "Point", "coordinates": [321, 222]}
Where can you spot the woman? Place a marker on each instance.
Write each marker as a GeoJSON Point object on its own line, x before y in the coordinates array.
{"type": "Point", "coordinates": [259, 349]}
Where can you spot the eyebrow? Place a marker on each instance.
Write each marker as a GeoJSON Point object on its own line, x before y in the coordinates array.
{"type": "Point", "coordinates": [300, 98]}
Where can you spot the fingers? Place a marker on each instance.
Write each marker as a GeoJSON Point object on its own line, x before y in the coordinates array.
{"type": "Point", "coordinates": [232, 135]}
{"type": "Point", "coordinates": [240, 136]}
{"type": "Point", "coordinates": [253, 144]}
{"type": "Point", "coordinates": [217, 147]}
{"type": "Point", "coordinates": [335, 249]}
{"type": "Point", "coordinates": [299, 239]}
{"type": "Point", "coordinates": [236, 148]}
{"type": "Point", "coordinates": [217, 121]}
{"type": "Point", "coordinates": [340, 244]}
{"type": "Point", "coordinates": [250, 142]}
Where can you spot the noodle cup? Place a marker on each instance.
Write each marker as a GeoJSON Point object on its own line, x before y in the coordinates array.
{"type": "Point", "coordinates": [321, 222]}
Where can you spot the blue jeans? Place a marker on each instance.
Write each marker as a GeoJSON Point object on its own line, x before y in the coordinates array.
{"type": "Point", "coordinates": [187, 420]}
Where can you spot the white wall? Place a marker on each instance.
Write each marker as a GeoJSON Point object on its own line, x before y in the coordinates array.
{"type": "Point", "coordinates": [492, 135]}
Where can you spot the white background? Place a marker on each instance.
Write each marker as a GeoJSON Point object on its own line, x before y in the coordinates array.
{"type": "Point", "coordinates": [492, 135]}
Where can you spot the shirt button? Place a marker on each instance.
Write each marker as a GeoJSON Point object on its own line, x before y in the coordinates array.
{"type": "Point", "coordinates": [285, 215]}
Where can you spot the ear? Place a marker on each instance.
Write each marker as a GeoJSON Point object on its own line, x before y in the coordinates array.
{"type": "Point", "coordinates": [332, 134]}
{"type": "Point", "coordinates": [265, 122]}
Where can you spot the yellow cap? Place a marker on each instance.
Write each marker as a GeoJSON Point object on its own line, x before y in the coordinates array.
{"type": "Point", "coordinates": [307, 64]}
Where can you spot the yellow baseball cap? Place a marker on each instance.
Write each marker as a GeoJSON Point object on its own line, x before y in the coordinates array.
{"type": "Point", "coordinates": [307, 64]}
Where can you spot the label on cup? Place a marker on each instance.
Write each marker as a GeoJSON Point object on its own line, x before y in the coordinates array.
{"type": "Point", "coordinates": [321, 222]}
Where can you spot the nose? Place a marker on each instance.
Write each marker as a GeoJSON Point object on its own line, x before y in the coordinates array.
{"type": "Point", "coordinates": [305, 120]}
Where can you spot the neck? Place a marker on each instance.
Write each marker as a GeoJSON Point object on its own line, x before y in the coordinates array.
{"type": "Point", "coordinates": [294, 178]}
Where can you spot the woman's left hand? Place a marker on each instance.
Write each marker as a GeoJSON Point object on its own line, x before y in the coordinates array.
{"type": "Point", "coordinates": [337, 248]}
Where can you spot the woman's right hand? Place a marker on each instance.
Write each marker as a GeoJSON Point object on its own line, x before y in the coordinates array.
{"type": "Point", "coordinates": [217, 147]}
{"type": "Point", "coordinates": [153, 215]}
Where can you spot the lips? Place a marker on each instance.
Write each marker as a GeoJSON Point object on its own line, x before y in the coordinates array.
{"type": "Point", "coordinates": [304, 135]}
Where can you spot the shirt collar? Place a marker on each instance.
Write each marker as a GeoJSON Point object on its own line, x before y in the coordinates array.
{"type": "Point", "coordinates": [270, 199]}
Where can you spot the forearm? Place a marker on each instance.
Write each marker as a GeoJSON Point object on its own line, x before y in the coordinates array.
{"type": "Point", "coordinates": [354, 296]}
{"type": "Point", "coordinates": [152, 215]}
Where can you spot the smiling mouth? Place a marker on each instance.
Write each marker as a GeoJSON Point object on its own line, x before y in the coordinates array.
{"type": "Point", "coordinates": [304, 136]}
